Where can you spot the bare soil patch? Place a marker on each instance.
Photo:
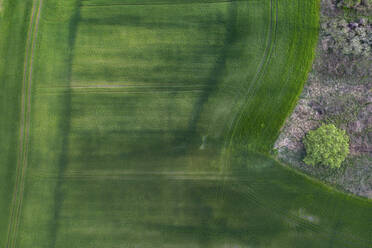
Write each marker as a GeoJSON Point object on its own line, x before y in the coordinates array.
{"type": "Point", "coordinates": [338, 91]}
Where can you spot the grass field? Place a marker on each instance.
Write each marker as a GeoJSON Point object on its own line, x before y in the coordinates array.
{"type": "Point", "coordinates": [146, 123]}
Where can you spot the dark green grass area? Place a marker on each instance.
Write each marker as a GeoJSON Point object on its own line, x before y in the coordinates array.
{"type": "Point", "coordinates": [143, 113]}
{"type": "Point", "coordinates": [239, 208]}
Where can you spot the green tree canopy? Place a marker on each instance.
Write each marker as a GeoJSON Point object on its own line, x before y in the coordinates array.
{"type": "Point", "coordinates": [326, 145]}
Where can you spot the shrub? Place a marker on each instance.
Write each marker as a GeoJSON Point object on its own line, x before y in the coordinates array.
{"type": "Point", "coordinates": [326, 145]}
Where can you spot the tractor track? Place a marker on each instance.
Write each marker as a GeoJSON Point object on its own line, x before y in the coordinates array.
{"type": "Point", "coordinates": [82, 5]}
{"type": "Point", "coordinates": [24, 125]}
{"type": "Point", "coordinates": [21, 136]}
{"type": "Point", "coordinates": [270, 47]}
{"type": "Point", "coordinates": [300, 222]}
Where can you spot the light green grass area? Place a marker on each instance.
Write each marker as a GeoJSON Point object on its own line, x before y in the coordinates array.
{"type": "Point", "coordinates": [147, 123]}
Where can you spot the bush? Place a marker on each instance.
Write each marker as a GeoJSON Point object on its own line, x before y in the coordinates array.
{"type": "Point", "coordinates": [326, 145]}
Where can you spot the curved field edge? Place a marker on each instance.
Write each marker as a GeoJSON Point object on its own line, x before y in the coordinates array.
{"type": "Point", "coordinates": [333, 215]}
{"type": "Point", "coordinates": [283, 78]}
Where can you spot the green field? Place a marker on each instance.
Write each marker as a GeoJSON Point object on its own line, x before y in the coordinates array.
{"type": "Point", "coordinates": [148, 123]}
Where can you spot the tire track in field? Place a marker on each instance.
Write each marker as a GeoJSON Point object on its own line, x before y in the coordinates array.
{"type": "Point", "coordinates": [82, 5]}
{"type": "Point", "coordinates": [268, 60]}
{"type": "Point", "coordinates": [135, 86]}
{"type": "Point", "coordinates": [132, 175]}
{"type": "Point", "coordinates": [270, 47]}
{"type": "Point", "coordinates": [25, 125]}
{"type": "Point", "coordinates": [302, 223]}
{"type": "Point", "coordinates": [271, 44]}
{"type": "Point", "coordinates": [233, 126]}
{"type": "Point", "coordinates": [28, 116]}
{"type": "Point", "coordinates": [21, 136]}
{"type": "Point", "coordinates": [306, 224]}
{"type": "Point", "coordinates": [285, 82]}
{"type": "Point", "coordinates": [20, 152]}
{"type": "Point", "coordinates": [119, 88]}
{"type": "Point", "coordinates": [249, 192]}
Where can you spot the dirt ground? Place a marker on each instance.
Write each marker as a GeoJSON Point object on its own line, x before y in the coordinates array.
{"type": "Point", "coordinates": [338, 91]}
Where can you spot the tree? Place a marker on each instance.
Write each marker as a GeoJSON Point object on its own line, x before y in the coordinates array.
{"type": "Point", "coordinates": [326, 145]}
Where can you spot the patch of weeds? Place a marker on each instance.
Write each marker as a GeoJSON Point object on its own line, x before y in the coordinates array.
{"type": "Point", "coordinates": [342, 110]}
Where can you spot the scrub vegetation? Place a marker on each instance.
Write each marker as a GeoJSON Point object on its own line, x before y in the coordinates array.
{"type": "Point", "coordinates": [326, 145]}
{"type": "Point", "coordinates": [148, 123]}
{"type": "Point", "coordinates": [338, 92]}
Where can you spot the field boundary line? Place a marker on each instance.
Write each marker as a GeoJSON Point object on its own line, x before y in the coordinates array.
{"type": "Point", "coordinates": [25, 126]}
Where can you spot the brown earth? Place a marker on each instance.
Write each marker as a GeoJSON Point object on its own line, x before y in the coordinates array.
{"type": "Point", "coordinates": [338, 91]}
